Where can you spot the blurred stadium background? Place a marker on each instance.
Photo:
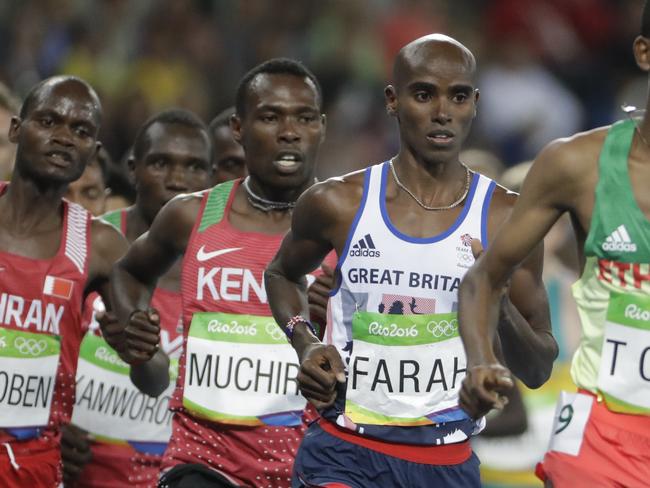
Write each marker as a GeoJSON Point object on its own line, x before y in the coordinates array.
{"type": "Point", "coordinates": [547, 68]}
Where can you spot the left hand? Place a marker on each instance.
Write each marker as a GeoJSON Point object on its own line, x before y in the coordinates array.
{"type": "Point", "coordinates": [484, 388]}
{"type": "Point", "coordinates": [138, 341]}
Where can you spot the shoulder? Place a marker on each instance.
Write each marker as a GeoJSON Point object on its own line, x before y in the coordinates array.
{"type": "Point", "coordinates": [334, 193]}
{"type": "Point", "coordinates": [104, 235]}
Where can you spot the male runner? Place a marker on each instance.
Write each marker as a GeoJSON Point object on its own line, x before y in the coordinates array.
{"type": "Point", "coordinates": [237, 409]}
{"type": "Point", "coordinates": [172, 154]}
{"type": "Point", "coordinates": [402, 231]}
{"type": "Point", "coordinates": [90, 190]}
{"type": "Point", "coordinates": [229, 161]}
{"type": "Point", "coordinates": [51, 255]}
{"type": "Point", "coordinates": [600, 178]}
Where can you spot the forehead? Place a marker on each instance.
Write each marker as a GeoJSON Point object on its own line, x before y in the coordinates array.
{"type": "Point", "coordinates": [437, 64]}
{"type": "Point", "coordinates": [171, 138]}
{"type": "Point", "coordinates": [68, 98]}
{"type": "Point", "coordinates": [281, 90]}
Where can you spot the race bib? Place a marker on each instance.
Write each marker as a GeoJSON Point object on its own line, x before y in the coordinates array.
{"type": "Point", "coordinates": [110, 406]}
{"type": "Point", "coordinates": [624, 375]}
{"type": "Point", "coordinates": [405, 370]}
{"type": "Point", "coordinates": [571, 416]}
{"type": "Point", "coordinates": [240, 369]}
{"type": "Point", "coordinates": [28, 364]}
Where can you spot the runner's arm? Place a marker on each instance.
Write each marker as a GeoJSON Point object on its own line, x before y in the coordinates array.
{"type": "Point", "coordinates": [542, 201]}
{"type": "Point", "coordinates": [302, 250]}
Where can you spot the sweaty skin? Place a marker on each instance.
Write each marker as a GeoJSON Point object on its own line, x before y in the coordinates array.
{"type": "Point", "coordinates": [434, 100]}
{"type": "Point", "coordinates": [562, 179]}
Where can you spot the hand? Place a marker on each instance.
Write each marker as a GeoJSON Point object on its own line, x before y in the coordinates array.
{"type": "Point", "coordinates": [136, 343]}
{"type": "Point", "coordinates": [484, 388]}
{"type": "Point", "coordinates": [319, 295]}
{"type": "Point", "coordinates": [321, 368]}
{"type": "Point", "coordinates": [75, 452]}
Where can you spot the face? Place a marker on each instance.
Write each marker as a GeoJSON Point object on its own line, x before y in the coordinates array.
{"type": "Point", "coordinates": [177, 160]}
{"type": "Point", "coordinates": [89, 191]}
{"type": "Point", "coordinates": [435, 103]}
{"type": "Point", "coordinates": [229, 163]}
{"type": "Point", "coordinates": [281, 130]}
{"type": "Point", "coordinates": [58, 136]}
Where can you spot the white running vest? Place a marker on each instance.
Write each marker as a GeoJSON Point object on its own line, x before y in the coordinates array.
{"type": "Point", "coordinates": [393, 320]}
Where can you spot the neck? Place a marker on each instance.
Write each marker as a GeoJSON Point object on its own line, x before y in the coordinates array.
{"type": "Point", "coordinates": [644, 126]}
{"type": "Point", "coordinates": [28, 203]}
{"type": "Point", "coordinates": [137, 221]}
{"type": "Point", "coordinates": [421, 175]}
{"type": "Point", "coordinates": [274, 194]}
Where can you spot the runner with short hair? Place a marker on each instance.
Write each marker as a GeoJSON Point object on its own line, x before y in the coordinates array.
{"type": "Point", "coordinates": [52, 254]}
{"type": "Point", "coordinates": [403, 231]}
{"type": "Point", "coordinates": [600, 178]}
{"type": "Point", "coordinates": [172, 155]}
{"type": "Point", "coordinates": [238, 414]}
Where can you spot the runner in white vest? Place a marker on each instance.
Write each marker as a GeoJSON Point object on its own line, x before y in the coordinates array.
{"type": "Point", "coordinates": [388, 376]}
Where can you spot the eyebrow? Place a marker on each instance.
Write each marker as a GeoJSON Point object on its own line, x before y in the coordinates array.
{"type": "Point", "coordinates": [455, 87]}
{"type": "Point", "coordinates": [279, 108]}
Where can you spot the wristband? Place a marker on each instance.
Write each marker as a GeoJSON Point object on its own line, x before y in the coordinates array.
{"type": "Point", "coordinates": [291, 325]}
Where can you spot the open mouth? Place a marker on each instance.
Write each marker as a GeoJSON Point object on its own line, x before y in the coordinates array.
{"type": "Point", "coordinates": [288, 162]}
{"type": "Point", "coordinates": [59, 158]}
{"type": "Point", "coordinates": [441, 136]}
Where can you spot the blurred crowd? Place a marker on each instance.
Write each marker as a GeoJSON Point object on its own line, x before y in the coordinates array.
{"type": "Point", "coordinates": [547, 69]}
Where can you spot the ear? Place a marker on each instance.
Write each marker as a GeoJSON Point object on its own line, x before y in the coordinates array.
{"type": "Point", "coordinates": [477, 95]}
{"type": "Point", "coordinates": [641, 49]}
{"type": "Point", "coordinates": [98, 146]}
{"type": "Point", "coordinates": [235, 127]}
{"type": "Point", "coordinates": [14, 129]}
{"type": "Point", "coordinates": [390, 95]}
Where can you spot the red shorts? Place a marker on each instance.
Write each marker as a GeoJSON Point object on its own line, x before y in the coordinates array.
{"type": "Point", "coordinates": [247, 456]}
{"type": "Point", "coordinates": [35, 463]}
{"type": "Point", "coordinates": [615, 452]}
{"type": "Point", "coordinates": [119, 466]}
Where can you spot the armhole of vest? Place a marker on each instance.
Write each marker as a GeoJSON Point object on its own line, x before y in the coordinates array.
{"type": "Point", "coordinates": [485, 212]}
{"type": "Point", "coordinates": [352, 230]}
{"type": "Point", "coordinates": [215, 204]}
{"type": "Point", "coordinates": [605, 172]}
{"type": "Point", "coordinates": [115, 218]}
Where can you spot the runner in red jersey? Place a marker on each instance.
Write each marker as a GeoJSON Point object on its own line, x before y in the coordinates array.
{"type": "Point", "coordinates": [238, 413]}
{"type": "Point", "coordinates": [229, 161]}
{"type": "Point", "coordinates": [172, 154]}
{"type": "Point", "coordinates": [51, 255]}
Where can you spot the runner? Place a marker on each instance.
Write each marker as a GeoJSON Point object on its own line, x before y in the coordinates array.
{"type": "Point", "coordinates": [402, 231]}
{"type": "Point", "coordinates": [172, 155]}
{"type": "Point", "coordinates": [600, 178]}
{"type": "Point", "coordinates": [51, 255]}
{"type": "Point", "coordinates": [229, 161]}
{"type": "Point", "coordinates": [237, 409]}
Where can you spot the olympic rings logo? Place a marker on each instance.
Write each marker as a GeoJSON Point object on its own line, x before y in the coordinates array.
{"type": "Point", "coordinates": [274, 331]}
{"type": "Point", "coordinates": [465, 257]}
{"type": "Point", "coordinates": [31, 347]}
{"type": "Point", "coordinates": [443, 328]}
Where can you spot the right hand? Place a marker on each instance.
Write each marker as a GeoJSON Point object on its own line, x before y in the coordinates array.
{"type": "Point", "coordinates": [136, 343]}
{"type": "Point", "coordinates": [321, 368]}
{"type": "Point", "coordinates": [484, 388]}
{"type": "Point", "coordinates": [75, 452]}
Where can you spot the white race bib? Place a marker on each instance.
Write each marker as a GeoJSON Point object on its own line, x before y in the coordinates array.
{"type": "Point", "coordinates": [571, 416]}
{"type": "Point", "coordinates": [405, 369]}
{"type": "Point", "coordinates": [240, 369]}
{"type": "Point", "coordinates": [624, 375]}
{"type": "Point", "coordinates": [110, 406]}
{"type": "Point", "coordinates": [28, 365]}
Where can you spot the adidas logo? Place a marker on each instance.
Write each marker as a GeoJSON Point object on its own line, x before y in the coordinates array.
{"type": "Point", "coordinates": [365, 247]}
{"type": "Point", "coordinates": [619, 240]}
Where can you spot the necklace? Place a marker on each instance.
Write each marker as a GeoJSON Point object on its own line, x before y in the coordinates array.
{"type": "Point", "coordinates": [426, 207]}
{"type": "Point", "coordinates": [262, 203]}
{"type": "Point", "coordinates": [629, 110]}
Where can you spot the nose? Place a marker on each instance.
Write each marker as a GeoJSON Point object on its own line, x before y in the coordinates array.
{"type": "Point", "coordinates": [176, 179]}
{"type": "Point", "coordinates": [440, 111]}
{"type": "Point", "coordinates": [62, 136]}
{"type": "Point", "coordinates": [288, 132]}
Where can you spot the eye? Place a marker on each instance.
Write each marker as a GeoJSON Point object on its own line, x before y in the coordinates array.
{"type": "Point", "coordinates": [82, 132]}
{"type": "Point", "coordinates": [460, 98]}
{"type": "Point", "coordinates": [46, 121]}
{"type": "Point", "coordinates": [158, 164]}
{"type": "Point", "coordinates": [307, 118]}
{"type": "Point", "coordinates": [197, 166]}
{"type": "Point", "coordinates": [268, 118]}
{"type": "Point", "coordinates": [422, 96]}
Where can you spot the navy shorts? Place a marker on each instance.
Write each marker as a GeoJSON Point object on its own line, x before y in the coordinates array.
{"type": "Point", "coordinates": [324, 460]}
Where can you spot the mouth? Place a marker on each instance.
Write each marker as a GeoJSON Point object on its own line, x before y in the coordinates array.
{"type": "Point", "coordinates": [288, 162]}
{"type": "Point", "coordinates": [441, 137]}
{"type": "Point", "coordinates": [59, 158]}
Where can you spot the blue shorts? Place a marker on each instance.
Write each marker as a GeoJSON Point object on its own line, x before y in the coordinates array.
{"type": "Point", "coordinates": [327, 460]}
